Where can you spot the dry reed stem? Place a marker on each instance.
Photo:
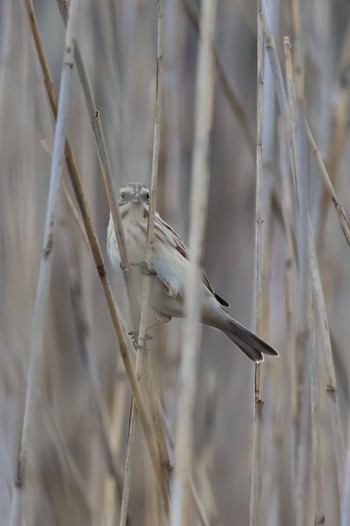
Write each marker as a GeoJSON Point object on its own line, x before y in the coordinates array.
{"type": "Point", "coordinates": [143, 369]}
{"type": "Point", "coordinates": [201, 474]}
{"type": "Point", "coordinates": [181, 509]}
{"type": "Point", "coordinates": [126, 36]}
{"type": "Point", "coordinates": [144, 364]}
{"type": "Point", "coordinates": [71, 205]}
{"type": "Point", "coordinates": [276, 73]}
{"type": "Point", "coordinates": [74, 212]}
{"type": "Point", "coordinates": [199, 505]}
{"type": "Point", "coordinates": [342, 218]}
{"type": "Point", "coordinates": [288, 118]}
{"type": "Point", "coordinates": [290, 372]}
{"type": "Point", "coordinates": [345, 506]}
{"type": "Point", "coordinates": [290, 274]}
{"type": "Point", "coordinates": [99, 262]}
{"type": "Point", "coordinates": [45, 270]}
{"type": "Point", "coordinates": [119, 231]}
{"type": "Point", "coordinates": [229, 91]}
{"type": "Point", "coordinates": [88, 357]}
{"type": "Point", "coordinates": [339, 124]}
{"type": "Point", "coordinates": [259, 176]}
{"type": "Point", "coordinates": [310, 256]}
{"type": "Point", "coordinates": [69, 465]}
{"type": "Point", "coordinates": [146, 370]}
{"type": "Point", "coordinates": [298, 159]}
{"type": "Point", "coordinates": [209, 511]}
{"type": "Point", "coordinates": [256, 474]}
{"type": "Point", "coordinates": [292, 116]}
{"type": "Point", "coordinates": [292, 104]}
{"type": "Point", "coordinates": [317, 479]}
{"type": "Point", "coordinates": [106, 172]}
{"type": "Point", "coordinates": [298, 58]}
{"type": "Point", "coordinates": [332, 392]}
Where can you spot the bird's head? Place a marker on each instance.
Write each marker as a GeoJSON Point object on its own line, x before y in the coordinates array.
{"type": "Point", "coordinates": [133, 193]}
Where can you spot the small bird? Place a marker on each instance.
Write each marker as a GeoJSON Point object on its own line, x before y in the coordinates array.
{"type": "Point", "coordinates": [170, 264]}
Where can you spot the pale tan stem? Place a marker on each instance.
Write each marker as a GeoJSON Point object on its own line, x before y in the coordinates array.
{"type": "Point", "coordinates": [143, 369]}
{"type": "Point", "coordinates": [342, 218]}
{"type": "Point", "coordinates": [45, 269]}
{"type": "Point", "coordinates": [184, 454]}
{"type": "Point", "coordinates": [99, 262]}
{"type": "Point", "coordinates": [255, 483]}
{"type": "Point", "coordinates": [106, 172]}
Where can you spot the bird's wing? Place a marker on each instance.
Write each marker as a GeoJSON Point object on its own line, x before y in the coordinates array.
{"type": "Point", "coordinates": [175, 240]}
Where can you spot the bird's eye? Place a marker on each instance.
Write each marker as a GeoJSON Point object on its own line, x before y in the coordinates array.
{"type": "Point", "coordinates": [122, 195]}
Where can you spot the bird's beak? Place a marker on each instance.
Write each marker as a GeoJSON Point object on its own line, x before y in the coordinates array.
{"type": "Point", "coordinates": [136, 198]}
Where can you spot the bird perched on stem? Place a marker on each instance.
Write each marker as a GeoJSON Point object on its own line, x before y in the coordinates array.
{"type": "Point", "coordinates": [170, 263]}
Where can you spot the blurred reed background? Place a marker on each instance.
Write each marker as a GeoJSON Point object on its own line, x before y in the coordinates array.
{"type": "Point", "coordinates": [75, 466]}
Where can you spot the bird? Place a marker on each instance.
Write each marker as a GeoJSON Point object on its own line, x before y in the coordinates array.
{"type": "Point", "coordinates": [170, 264]}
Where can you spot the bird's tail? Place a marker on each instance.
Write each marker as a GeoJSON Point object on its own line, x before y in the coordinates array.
{"type": "Point", "coordinates": [253, 346]}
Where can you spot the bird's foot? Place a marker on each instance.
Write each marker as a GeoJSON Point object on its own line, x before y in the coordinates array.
{"type": "Point", "coordinates": [139, 344]}
{"type": "Point", "coordinates": [144, 268]}
{"type": "Point", "coordinates": [160, 319]}
{"type": "Point", "coordinates": [124, 269]}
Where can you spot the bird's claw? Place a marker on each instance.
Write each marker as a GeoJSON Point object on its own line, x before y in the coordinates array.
{"type": "Point", "coordinates": [144, 268]}
{"type": "Point", "coordinates": [134, 335]}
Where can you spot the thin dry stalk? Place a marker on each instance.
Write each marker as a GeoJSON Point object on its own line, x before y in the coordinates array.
{"type": "Point", "coordinates": [119, 231]}
{"type": "Point", "coordinates": [342, 218]}
{"type": "Point", "coordinates": [292, 104]}
{"type": "Point", "coordinates": [207, 512]}
{"type": "Point", "coordinates": [338, 443]}
{"type": "Point", "coordinates": [206, 498]}
{"type": "Point", "coordinates": [71, 205]}
{"type": "Point", "coordinates": [332, 391]}
{"type": "Point", "coordinates": [339, 125]}
{"type": "Point", "coordinates": [181, 509]}
{"type": "Point", "coordinates": [229, 91]}
{"type": "Point", "coordinates": [143, 370]}
{"type": "Point", "coordinates": [106, 172]}
{"type": "Point", "coordinates": [119, 410]}
{"type": "Point", "coordinates": [292, 118]}
{"type": "Point", "coordinates": [304, 286]}
{"type": "Point", "coordinates": [336, 423]}
{"type": "Point", "coordinates": [290, 274]}
{"type": "Point", "coordinates": [199, 505]}
{"type": "Point", "coordinates": [256, 477]}
{"type": "Point", "coordinates": [88, 357]}
{"type": "Point", "coordinates": [276, 73]}
{"type": "Point", "coordinates": [74, 212]}
{"type": "Point", "coordinates": [318, 515]}
{"type": "Point", "coordinates": [99, 262]}
{"type": "Point", "coordinates": [69, 465]}
{"type": "Point", "coordinates": [145, 363]}
{"type": "Point", "coordinates": [43, 286]}
{"type": "Point", "coordinates": [345, 509]}
{"type": "Point", "coordinates": [259, 175]}
{"type": "Point", "coordinates": [298, 59]}
{"type": "Point", "coordinates": [128, 466]}
{"type": "Point", "coordinates": [290, 278]}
